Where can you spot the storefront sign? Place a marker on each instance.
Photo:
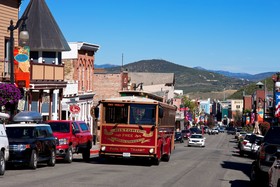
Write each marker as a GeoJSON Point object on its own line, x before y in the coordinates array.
{"type": "Point", "coordinates": [22, 66]}
{"type": "Point", "coordinates": [74, 109]}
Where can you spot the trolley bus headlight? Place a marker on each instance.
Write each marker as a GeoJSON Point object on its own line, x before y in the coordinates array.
{"type": "Point", "coordinates": [103, 148]}
{"type": "Point", "coordinates": [151, 151]}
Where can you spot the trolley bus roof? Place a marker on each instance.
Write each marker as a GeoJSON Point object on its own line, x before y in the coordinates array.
{"type": "Point", "coordinates": [130, 99]}
{"type": "Point", "coordinates": [141, 94]}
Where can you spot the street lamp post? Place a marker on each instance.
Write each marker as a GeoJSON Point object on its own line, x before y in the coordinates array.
{"type": "Point", "coordinates": [23, 37]}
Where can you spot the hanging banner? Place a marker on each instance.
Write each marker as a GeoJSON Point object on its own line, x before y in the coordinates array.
{"type": "Point", "coordinates": [22, 66]}
{"type": "Point", "coordinates": [247, 120]}
{"type": "Point", "coordinates": [260, 114]}
{"type": "Point", "coordinates": [252, 118]}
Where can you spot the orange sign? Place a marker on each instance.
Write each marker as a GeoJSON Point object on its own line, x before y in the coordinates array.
{"type": "Point", "coordinates": [22, 65]}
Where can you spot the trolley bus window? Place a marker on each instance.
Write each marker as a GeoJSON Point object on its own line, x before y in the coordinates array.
{"type": "Point", "coordinates": [142, 114]}
{"type": "Point", "coordinates": [116, 113]}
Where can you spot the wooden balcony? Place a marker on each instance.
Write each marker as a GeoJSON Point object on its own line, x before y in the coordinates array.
{"type": "Point", "coordinates": [46, 72]}
{"type": "Point", "coordinates": [41, 74]}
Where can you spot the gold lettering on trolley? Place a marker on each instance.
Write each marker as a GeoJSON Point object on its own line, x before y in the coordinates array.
{"type": "Point", "coordinates": [144, 133]}
{"type": "Point", "coordinates": [141, 140]}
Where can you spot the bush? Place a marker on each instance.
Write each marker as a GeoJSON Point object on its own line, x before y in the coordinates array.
{"type": "Point", "coordinates": [232, 124]}
{"type": "Point", "coordinates": [249, 128]}
{"type": "Point", "coordinates": [264, 126]}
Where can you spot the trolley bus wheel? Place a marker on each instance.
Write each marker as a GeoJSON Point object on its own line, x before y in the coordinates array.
{"type": "Point", "coordinates": [166, 157]}
{"type": "Point", "coordinates": [157, 160]}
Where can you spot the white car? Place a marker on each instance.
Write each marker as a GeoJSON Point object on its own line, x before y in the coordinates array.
{"type": "Point", "coordinates": [197, 140]}
{"type": "Point", "coordinates": [4, 145]}
{"type": "Point", "coordinates": [245, 146]}
{"type": "Point", "coordinates": [255, 146]}
{"type": "Point", "coordinates": [249, 145]}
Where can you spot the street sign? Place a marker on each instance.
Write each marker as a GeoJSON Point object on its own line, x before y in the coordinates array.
{"type": "Point", "coordinates": [74, 109]}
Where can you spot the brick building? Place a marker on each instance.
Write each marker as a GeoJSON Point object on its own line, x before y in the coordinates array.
{"type": "Point", "coordinates": [79, 71]}
{"type": "Point", "coordinates": [107, 85]}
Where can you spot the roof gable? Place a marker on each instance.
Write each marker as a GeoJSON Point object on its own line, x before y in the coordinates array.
{"type": "Point", "coordinates": [44, 33]}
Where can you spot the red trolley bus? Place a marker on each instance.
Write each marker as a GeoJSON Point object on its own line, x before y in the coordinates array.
{"type": "Point", "coordinates": [137, 126]}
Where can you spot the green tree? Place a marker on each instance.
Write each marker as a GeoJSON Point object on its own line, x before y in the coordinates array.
{"type": "Point", "coordinates": [210, 122]}
{"type": "Point", "coordinates": [238, 118]}
{"type": "Point", "coordinates": [192, 105]}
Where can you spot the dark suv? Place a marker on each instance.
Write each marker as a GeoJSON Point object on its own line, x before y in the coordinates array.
{"type": "Point", "coordinates": [30, 143]}
{"type": "Point", "coordinates": [267, 153]}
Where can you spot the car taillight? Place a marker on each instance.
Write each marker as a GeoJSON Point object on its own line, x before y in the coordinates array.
{"type": "Point", "coordinates": [262, 152]}
{"type": "Point", "coordinates": [244, 143]}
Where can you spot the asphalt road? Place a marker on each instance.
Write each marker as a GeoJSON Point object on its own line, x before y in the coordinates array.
{"type": "Point", "coordinates": [216, 165]}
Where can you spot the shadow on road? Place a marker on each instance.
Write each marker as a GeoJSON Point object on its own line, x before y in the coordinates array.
{"type": "Point", "coordinates": [122, 161]}
{"type": "Point", "coordinates": [239, 183]}
{"type": "Point", "coordinates": [245, 168]}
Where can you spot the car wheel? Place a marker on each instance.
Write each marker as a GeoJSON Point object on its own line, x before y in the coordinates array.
{"type": "Point", "coordinates": [69, 155]}
{"type": "Point", "coordinates": [86, 154]}
{"type": "Point", "coordinates": [33, 160]}
{"type": "Point", "coordinates": [2, 163]}
{"type": "Point", "coordinates": [52, 160]}
{"type": "Point", "coordinates": [241, 153]}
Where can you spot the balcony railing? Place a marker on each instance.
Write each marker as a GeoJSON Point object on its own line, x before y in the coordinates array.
{"type": "Point", "coordinates": [38, 72]}
{"type": "Point", "coordinates": [49, 72]}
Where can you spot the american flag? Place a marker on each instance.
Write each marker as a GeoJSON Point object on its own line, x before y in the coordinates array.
{"type": "Point", "coordinates": [277, 104]}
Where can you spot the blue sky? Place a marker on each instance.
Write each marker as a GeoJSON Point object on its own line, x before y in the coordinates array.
{"type": "Point", "coordinates": [233, 35]}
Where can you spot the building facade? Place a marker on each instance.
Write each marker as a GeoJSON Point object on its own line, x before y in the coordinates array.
{"type": "Point", "coordinates": [79, 73]}
{"type": "Point", "coordinates": [107, 85]}
{"type": "Point", "coordinates": [44, 80]}
{"type": "Point", "coordinates": [9, 11]}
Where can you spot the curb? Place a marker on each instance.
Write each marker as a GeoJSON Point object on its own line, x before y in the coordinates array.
{"type": "Point", "coordinates": [94, 151]}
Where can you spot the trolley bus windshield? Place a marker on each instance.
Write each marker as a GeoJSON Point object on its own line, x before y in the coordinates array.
{"type": "Point", "coordinates": [144, 114]}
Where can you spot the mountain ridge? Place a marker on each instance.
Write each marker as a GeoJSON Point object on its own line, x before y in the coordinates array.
{"type": "Point", "coordinates": [251, 77]}
{"type": "Point", "coordinates": [187, 79]}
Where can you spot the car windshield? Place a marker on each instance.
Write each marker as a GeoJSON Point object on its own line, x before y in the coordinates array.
{"type": "Point", "coordinates": [20, 132]}
{"type": "Point", "coordinates": [195, 130]}
{"type": "Point", "coordinates": [60, 127]}
{"type": "Point", "coordinates": [248, 137]}
{"type": "Point", "coordinates": [196, 136]}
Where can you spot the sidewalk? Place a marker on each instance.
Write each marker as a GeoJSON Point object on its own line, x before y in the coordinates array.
{"type": "Point", "coordinates": [94, 152]}
{"type": "Point", "coordinates": [95, 149]}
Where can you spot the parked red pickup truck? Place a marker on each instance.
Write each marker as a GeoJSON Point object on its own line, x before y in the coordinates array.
{"type": "Point", "coordinates": [72, 137]}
